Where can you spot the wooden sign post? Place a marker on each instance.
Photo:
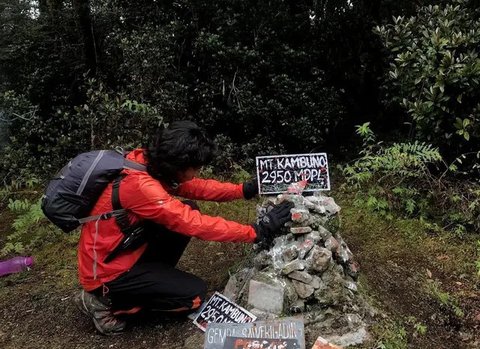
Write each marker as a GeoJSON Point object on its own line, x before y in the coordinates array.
{"type": "Point", "coordinates": [276, 173]}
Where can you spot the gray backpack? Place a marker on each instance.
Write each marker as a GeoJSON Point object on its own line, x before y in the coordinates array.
{"type": "Point", "coordinates": [72, 194]}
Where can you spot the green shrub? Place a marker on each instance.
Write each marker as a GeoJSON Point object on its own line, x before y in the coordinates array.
{"type": "Point", "coordinates": [40, 146]}
{"type": "Point", "coordinates": [30, 229]}
{"type": "Point", "coordinates": [392, 176]}
{"type": "Point", "coordinates": [434, 74]}
{"type": "Point", "coordinates": [398, 178]}
{"type": "Point", "coordinates": [110, 119]}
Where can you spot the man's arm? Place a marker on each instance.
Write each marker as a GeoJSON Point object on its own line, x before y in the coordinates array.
{"type": "Point", "coordinates": [210, 190]}
{"type": "Point", "coordinates": [147, 199]}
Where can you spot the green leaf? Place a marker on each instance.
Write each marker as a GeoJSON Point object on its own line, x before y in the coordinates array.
{"type": "Point", "coordinates": [458, 124]}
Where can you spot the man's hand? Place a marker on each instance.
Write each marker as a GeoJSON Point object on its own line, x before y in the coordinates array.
{"type": "Point", "coordinates": [250, 189]}
{"type": "Point", "coordinates": [273, 221]}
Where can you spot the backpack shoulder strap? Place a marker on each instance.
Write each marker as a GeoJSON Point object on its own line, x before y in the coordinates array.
{"type": "Point", "coordinates": [102, 216]}
{"type": "Point", "coordinates": [122, 218]}
{"type": "Point", "coordinates": [132, 165]}
{"type": "Point", "coordinates": [133, 234]}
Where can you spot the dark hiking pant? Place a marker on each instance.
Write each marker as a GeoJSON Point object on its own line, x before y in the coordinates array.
{"type": "Point", "coordinates": [154, 282]}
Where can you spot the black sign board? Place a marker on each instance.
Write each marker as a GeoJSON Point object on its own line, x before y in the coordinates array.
{"type": "Point", "coordinates": [276, 173]}
{"type": "Point", "coordinates": [220, 309]}
{"type": "Point", "coordinates": [286, 333]}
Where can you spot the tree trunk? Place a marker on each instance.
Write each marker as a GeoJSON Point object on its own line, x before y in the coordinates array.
{"type": "Point", "coordinates": [43, 7]}
{"type": "Point", "coordinates": [85, 26]}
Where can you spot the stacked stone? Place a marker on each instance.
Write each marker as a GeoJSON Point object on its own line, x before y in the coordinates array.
{"type": "Point", "coordinates": [312, 261]}
{"type": "Point", "coordinates": [308, 269]}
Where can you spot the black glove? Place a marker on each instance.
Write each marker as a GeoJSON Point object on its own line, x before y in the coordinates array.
{"type": "Point", "coordinates": [250, 189]}
{"type": "Point", "coordinates": [272, 221]}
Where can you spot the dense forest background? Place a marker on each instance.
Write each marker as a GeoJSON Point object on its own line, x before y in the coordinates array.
{"type": "Point", "coordinates": [261, 77]}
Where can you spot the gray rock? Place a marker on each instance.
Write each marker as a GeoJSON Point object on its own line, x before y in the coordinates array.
{"type": "Point", "coordinates": [266, 297]}
{"type": "Point", "coordinates": [354, 321]}
{"type": "Point", "coordinates": [309, 205]}
{"type": "Point", "coordinates": [282, 240]}
{"type": "Point", "coordinates": [298, 200]}
{"type": "Point", "coordinates": [332, 244]}
{"type": "Point", "coordinates": [303, 290]}
{"type": "Point", "coordinates": [352, 269]}
{"type": "Point", "coordinates": [349, 339]}
{"type": "Point", "coordinates": [329, 296]}
{"type": "Point", "coordinates": [331, 207]}
{"type": "Point", "coordinates": [333, 275]}
{"type": "Point", "coordinates": [304, 247]}
{"type": "Point", "coordinates": [292, 266]}
{"type": "Point", "coordinates": [314, 235]}
{"type": "Point", "coordinates": [318, 259]}
{"type": "Point", "coordinates": [328, 203]}
{"type": "Point", "coordinates": [262, 259]}
{"type": "Point", "coordinates": [261, 211]}
{"type": "Point", "coordinates": [237, 284]}
{"type": "Point", "coordinates": [320, 209]}
{"type": "Point", "coordinates": [300, 215]}
{"type": "Point", "coordinates": [352, 286]}
{"type": "Point", "coordinates": [290, 253]}
{"type": "Point", "coordinates": [312, 199]}
{"type": "Point", "coordinates": [300, 230]}
{"type": "Point", "coordinates": [301, 276]}
{"type": "Point", "coordinates": [324, 233]}
{"type": "Point", "coordinates": [231, 289]}
{"type": "Point", "coordinates": [298, 306]}
{"type": "Point", "coordinates": [317, 282]}
{"type": "Point", "coordinates": [339, 270]}
{"type": "Point", "coordinates": [290, 294]}
{"type": "Point", "coordinates": [343, 253]}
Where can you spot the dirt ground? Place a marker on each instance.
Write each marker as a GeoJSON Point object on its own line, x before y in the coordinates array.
{"type": "Point", "coordinates": [35, 313]}
{"type": "Point", "coordinates": [423, 283]}
{"type": "Point", "coordinates": [398, 275]}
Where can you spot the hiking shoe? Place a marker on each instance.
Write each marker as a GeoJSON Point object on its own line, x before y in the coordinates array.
{"type": "Point", "coordinates": [105, 322]}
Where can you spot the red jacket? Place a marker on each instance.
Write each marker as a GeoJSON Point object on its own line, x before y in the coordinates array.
{"type": "Point", "coordinates": [147, 199]}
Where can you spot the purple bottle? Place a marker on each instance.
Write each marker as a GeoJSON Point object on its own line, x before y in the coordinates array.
{"type": "Point", "coordinates": [15, 265]}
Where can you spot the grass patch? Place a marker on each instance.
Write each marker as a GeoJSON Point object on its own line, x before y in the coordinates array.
{"type": "Point", "coordinates": [444, 298]}
{"type": "Point", "coordinates": [390, 335]}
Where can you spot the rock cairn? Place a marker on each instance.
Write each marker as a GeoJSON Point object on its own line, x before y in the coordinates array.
{"type": "Point", "coordinates": [308, 268]}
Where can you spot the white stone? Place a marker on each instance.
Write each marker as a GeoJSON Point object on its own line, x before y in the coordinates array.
{"type": "Point", "coordinates": [265, 297]}
{"type": "Point", "coordinates": [350, 338]}
{"type": "Point", "coordinates": [231, 289]}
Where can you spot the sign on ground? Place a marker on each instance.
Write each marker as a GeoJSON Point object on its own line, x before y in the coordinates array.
{"type": "Point", "coordinates": [220, 309]}
{"type": "Point", "coordinates": [275, 173]}
{"type": "Point", "coordinates": [285, 333]}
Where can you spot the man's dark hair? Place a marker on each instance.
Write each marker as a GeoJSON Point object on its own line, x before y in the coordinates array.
{"type": "Point", "coordinates": [176, 148]}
